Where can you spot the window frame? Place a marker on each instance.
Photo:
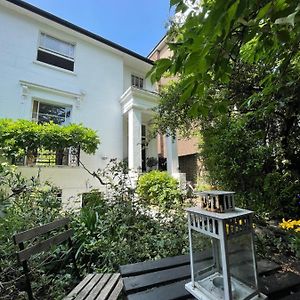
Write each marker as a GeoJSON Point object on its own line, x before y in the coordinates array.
{"type": "Point", "coordinates": [55, 53]}
{"type": "Point", "coordinates": [39, 100]}
{"type": "Point", "coordinates": [139, 78]}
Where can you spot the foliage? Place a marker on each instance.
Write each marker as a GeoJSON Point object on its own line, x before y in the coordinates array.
{"type": "Point", "coordinates": [112, 233]}
{"type": "Point", "coordinates": [20, 137]}
{"type": "Point", "coordinates": [238, 63]}
{"type": "Point", "coordinates": [293, 226]}
{"type": "Point", "coordinates": [26, 204]}
{"type": "Point", "coordinates": [151, 162]}
{"type": "Point", "coordinates": [116, 179]}
{"type": "Point", "coordinates": [112, 229]}
{"type": "Point", "coordinates": [115, 229]}
{"type": "Point", "coordinates": [159, 188]}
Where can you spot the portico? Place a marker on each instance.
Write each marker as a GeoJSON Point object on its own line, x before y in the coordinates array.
{"type": "Point", "coordinates": [137, 108]}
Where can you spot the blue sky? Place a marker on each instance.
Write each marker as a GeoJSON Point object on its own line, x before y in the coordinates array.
{"type": "Point", "coordinates": [135, 24]}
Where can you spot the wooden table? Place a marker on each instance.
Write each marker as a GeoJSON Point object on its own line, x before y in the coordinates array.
{"type": "Point", "coordinates": [164, 279]}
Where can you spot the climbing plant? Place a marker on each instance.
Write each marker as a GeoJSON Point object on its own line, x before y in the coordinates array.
{"type": "Point", "coordinates": [19, 137]}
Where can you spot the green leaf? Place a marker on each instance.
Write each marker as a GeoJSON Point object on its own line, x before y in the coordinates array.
{"type": "Point", "coordinates": [174, 2]}
{"type": "Point", "coordinates": [187, 92]}
{"type": "Point", "coordinates": [263, 11]}
{"type": "Point", "coordinates": [160, 67]}
{"type": "Point", "coordinates": [231, 14]}
{"type": "Point", "coordinates": [289, 20]}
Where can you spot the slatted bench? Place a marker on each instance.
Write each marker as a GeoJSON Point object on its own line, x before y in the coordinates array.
{"type": "Point", "coordinates": [97, 287]}
{"type": "Point", "coordinates": [164, 279]}
{"type": "Point", "coordinates": [92, 287]}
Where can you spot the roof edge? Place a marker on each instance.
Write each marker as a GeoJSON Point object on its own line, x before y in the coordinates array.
{"type": "Point", "coordinates": [157, 45]}
{"type": "Point", "coordinates": [78, 29]}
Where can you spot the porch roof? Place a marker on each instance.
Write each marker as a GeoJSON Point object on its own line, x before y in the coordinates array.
{"type": "Point", "coordinates": [140, 99]}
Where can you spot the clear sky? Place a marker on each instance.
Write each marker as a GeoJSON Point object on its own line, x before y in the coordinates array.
{"type": "Point", "coordinates": [135, 24]}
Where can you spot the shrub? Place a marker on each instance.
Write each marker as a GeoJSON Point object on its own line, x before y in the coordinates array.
{"type": "Point", "coordinates": [26, 204]}
{"type": "Point", "coordinates": [159, 188]}
{"type": "Point", "coordinates": [111, 233]}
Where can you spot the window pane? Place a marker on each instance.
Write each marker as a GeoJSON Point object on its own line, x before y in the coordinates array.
{"type": "Point", "coordinates": [52, 110]}
{"type": "Point", "coordinates": [44, 113]}
{"type": "Point", "coordinates": [56, 45]}
{"type": "Point", "coordinates": [137, 81]}
{"type": "Point", "coordinates": [55, 60]}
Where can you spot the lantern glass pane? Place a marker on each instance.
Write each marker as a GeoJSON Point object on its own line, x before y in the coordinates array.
{"type": "Point", "coordinates": [207, 265]}
{"type": "Point", "coordinates": [241, 266]}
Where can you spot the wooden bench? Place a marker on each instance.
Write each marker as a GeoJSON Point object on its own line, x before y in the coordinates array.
{"type": "Point", "coordinates": [164, 279]}
{"type": "Point", "coordinates": [92, 287]}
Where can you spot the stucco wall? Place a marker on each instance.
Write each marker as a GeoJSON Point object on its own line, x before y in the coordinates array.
{"type": "Point", "coordinates": [100, 77]}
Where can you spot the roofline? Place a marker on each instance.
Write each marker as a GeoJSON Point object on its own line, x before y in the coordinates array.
{"type": "Point", "coordinates": [76, 28]}
{"type": "Point", "coordinates": [157, 45]}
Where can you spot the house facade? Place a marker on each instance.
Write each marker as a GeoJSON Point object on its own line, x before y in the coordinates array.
{"type": "Point", "coordinates": [187, 149]}
{"type": "Point", "coordinates": [54, 70]}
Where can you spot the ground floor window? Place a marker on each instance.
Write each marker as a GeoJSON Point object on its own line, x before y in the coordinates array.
{"type": "Point", "coordinates": [43, 112]}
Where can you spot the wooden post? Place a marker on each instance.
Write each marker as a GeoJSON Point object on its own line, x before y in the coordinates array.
{"type": "Point", "coordinates": [26, 273]}
{"type": "Point", "coordinates": [70, 244]}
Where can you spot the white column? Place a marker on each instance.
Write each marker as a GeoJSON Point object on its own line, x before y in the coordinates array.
{"type": "Point", "coordinates": [134, 139]}
{"type": "Point", "coordinates": [172, 155]}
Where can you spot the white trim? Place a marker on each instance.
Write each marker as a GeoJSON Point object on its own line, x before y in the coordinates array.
{"type": "Point", "coordinates": [31, 85]}
{"type": "Point", "coordinates": [55, 67]}
{"type": "Point", "coordinates": [139, 99]}
{"type": "Point", "coordinates": [27, 87]}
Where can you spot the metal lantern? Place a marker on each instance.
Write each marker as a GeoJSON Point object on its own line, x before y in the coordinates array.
{"type": "Point", "coordinates": [217, 201]}
{"type": "Point", "coordinates": [226, 267]}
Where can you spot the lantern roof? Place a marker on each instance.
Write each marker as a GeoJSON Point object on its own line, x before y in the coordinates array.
{"type": "Point", "coordinates": [238, 212]}
{"type": "Point", "coordinates": [214, 193]}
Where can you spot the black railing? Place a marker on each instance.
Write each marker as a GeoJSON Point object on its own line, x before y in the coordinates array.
{"type": "Point", "coordinates": [62, 157]}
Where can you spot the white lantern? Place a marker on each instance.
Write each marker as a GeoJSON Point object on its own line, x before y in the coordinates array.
{"type": "Point", "coordinates": [227, 268]}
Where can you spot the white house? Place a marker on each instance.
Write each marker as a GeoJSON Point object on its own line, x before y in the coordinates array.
{"type": "Point", "coordinates": [54, 70]}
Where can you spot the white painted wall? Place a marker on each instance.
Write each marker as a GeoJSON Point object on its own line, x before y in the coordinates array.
{"type": "Point", "coordinates": [101, 75]}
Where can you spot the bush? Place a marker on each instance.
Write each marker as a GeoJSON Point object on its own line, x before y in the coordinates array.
{"type": "Point", "coordinates": [108, 232]}
{"type": "Point", "coordinates": [159, 188]}
{"type": "Point", "coordinates": [26, 204]}
{"type": "Point", "coordinates": [111, 233]}
{"type": "Point", "coordinates": [238, 158]}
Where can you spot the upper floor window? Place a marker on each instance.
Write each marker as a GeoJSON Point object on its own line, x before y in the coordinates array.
{"type": "Point", "coordinates": [45, 112]}
{"type": "Point", "coordinates": [137, 81]}
{"type": "Point", "coordinates": [56, 52]}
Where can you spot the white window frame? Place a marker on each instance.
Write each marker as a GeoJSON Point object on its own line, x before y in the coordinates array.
{"type": "Point", "coordinates": [53, 52]}
{"type": "Point", "coordinates": [38, 100]}
{"type": "Point", "coordinates": [139, 78]}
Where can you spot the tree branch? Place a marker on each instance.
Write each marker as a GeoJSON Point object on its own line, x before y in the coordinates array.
{"type": "Point", "coordinates": [94, 174]}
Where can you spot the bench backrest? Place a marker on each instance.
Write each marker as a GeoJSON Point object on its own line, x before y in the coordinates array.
{"type": "Point", "coordinates": [24, 254]}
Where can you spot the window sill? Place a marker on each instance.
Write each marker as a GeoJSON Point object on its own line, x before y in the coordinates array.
{"type": "Point", "coordinates": [54, 68]}
{"type": "Point", "coordinates": [50, 167]}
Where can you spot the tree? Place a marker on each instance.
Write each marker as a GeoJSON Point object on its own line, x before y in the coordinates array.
{"type": "Point", "coordinates": [238, 63]}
